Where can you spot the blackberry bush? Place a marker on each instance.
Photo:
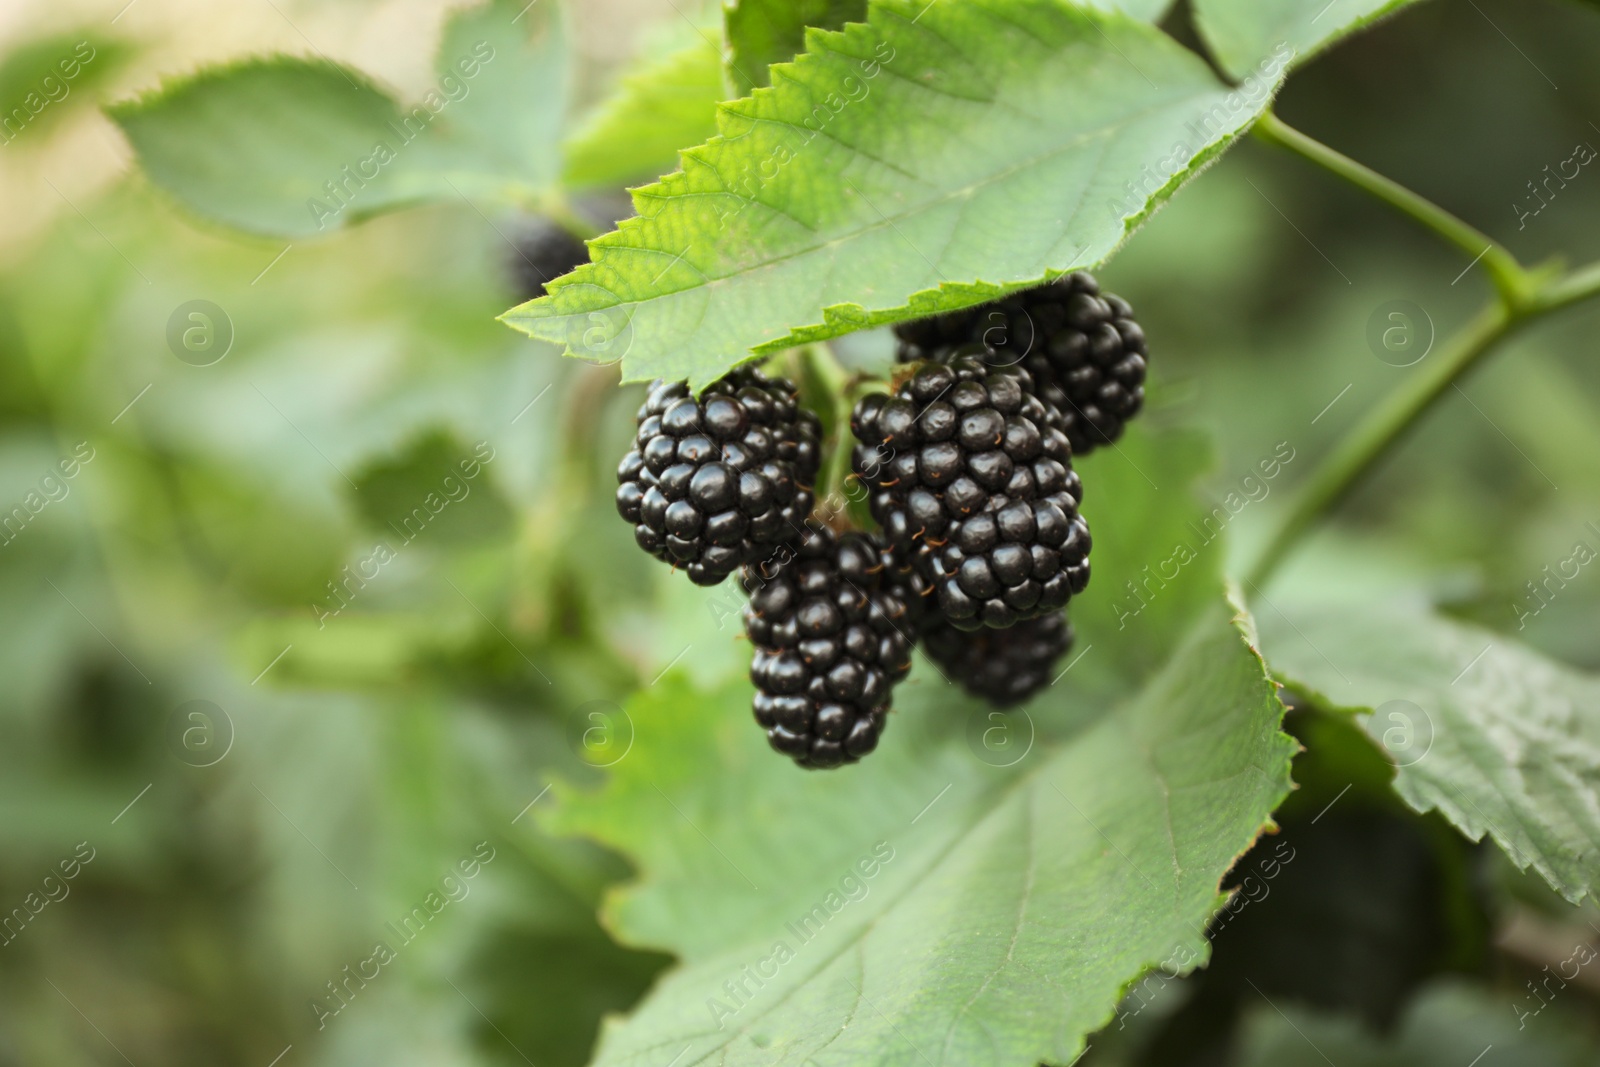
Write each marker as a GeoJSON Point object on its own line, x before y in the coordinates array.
{"type": "Point", "coordinates": [971, 480]}
{"type": "Point", "coordinates": [982, 893]}
{"type": "Point", "coordinates": [832, 638]}
{"type": "Point", "coordinates": [1086, 352]}
{"type": "Point", "coordinates": [719, 481]}
{"type": "Point", "coordinates": [1002, 667]}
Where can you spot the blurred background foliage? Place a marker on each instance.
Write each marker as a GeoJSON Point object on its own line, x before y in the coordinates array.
{"type": "Point", "coordinates": [359, 755]}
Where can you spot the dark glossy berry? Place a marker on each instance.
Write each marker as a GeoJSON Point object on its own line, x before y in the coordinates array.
{"type": "Point", "coordinates": [541, 254]}
{"type": "Point", "coordinates": [832, 637]}
{"type": "Point", "coordinates": [1084, 350]}
{"type": "Point", "coordinates": [1003, 667]}
{"type": "Point", "coordinates": [984, 510]}
{"type": "Point", "coordinates": [723, 480]}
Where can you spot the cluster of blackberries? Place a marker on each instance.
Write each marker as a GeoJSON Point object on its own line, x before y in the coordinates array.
{"type": "Point", "coordinates": [968, 463]}
{"type": "Point", "coordinates": [724, 482]}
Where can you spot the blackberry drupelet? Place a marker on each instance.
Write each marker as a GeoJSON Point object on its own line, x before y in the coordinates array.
{"type": "Point", "coordinates": [1003, 667]}
{"type": "Point", "coordinates": [720, 481]}
{"type": "Point", "coordinates": [1085, 351]}
{"type": "Point", "coordinates": [832, 639]}
{"type": "Point", "coordinates": [971, 479]}
{"type": "Point", "coordinates": [543, 253]}
{"type": "Point", "coordinates": [911, 582]}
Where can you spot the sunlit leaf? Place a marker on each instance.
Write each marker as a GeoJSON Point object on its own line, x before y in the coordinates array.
{"type": "Point", "coordinates": [763, 32]}
{"type": "Point", "coordinates": [939, 156]}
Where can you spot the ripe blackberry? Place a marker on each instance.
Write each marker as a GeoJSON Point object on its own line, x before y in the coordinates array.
{"type": "Point", "coordinates": [970, 478]}
{"type": "Point", "coordinates": [720, 481]}
{"type": "Point", "coordinates": [903, 575]}
{"type": "Point", "coordinates": [543, 253]}
{"type": "Point", "coordinates": [1003, 667]}
{"type": "Point", "coordinates": [832, 639]}
{"type": "Point", "coordinates": [1084, 349]}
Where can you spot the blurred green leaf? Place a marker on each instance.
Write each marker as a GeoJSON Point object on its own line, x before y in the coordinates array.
{"type": "Point", "coordinates": [636, 132]}
{"type": "Point", "coordinates": [1492, 735]}
{"type": "Point", "coordinates": [1261, 37]}
{"type": "Point", "coordinates": [1451, 1026]}
{"type": "Point", "coordinates": [433, 487]}
{"type": "Point", "coordinates": [294, 147]}
{"type": "Point", "coordinates": [760, 33]}
{"type": "Point", "coordinates": [1158, 550]}
{"type": "Point", "coordinates": [43, 81]}
{"type": "Point", "coordinates": [901, 168]}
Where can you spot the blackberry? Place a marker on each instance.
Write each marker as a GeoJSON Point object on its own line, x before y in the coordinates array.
{"type": "Point", "coordinates": [911, 582]}
{"type": "Point", "coordinates": [720, 481]}
{"type": "Point", "coordinates": [543, 253]}
{"type": "Point", "coordinates": [1084, 349]}
{"type": "Point", "coordinates": [971, 480]}
{"type": "Point", "coordinates": [1003, 667]}
{"type": "Point", "coordinates": [832, 639]}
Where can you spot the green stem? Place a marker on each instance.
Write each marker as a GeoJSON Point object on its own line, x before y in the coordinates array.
{"type": "Point", "coordinates": [1510, 279]}
{"type": "Point", "coordinates": [833, 381]}
{"type": "Point", "coordinates": [1384, 426]}
{"type": "Point", "coordinates": [1393, 419]}
{"type": "Point", "coordinates": [1577, 286]}
{"type": "Point", "coordinates": [1524, 297]}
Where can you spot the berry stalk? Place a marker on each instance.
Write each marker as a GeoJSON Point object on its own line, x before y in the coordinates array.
{"type": "Point", "coordinates": [833, 381]}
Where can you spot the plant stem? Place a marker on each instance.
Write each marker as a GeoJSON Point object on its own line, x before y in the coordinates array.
{"type": "Point", "coordinates": [1393, 419]}
{"type": "Point", "coordinates": [1524, 297]}
{"type": "Point", "coordinates": [834, 382]}
{"type": "Point", "coordinates": [1383, 427]}
{"type": "Point", "coordinates": [1577, 286]}
{"type": "Point", "coordinates": [1510, 279]}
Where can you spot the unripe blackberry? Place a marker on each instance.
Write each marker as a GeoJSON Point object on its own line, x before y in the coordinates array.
{"type": "Point", "coordinates": [1085, 351]}
{"type": "Point", "coordinates": [832, 639]}
{"type": "Point", "coordinates": [723, 480]}
{"type": "Point", "coordinates": [1003, 667]}
{"type": "Point", "coordinates": [543, 253]}
{"type": "Point", "coordinates": [970, 477]}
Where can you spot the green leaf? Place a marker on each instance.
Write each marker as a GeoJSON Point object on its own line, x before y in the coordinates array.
{"type": "Point", "coordinates": [1259, 38]}
{"type": "Point", "coordinates": [431, 491]}
{"type": "Point", "coordinates": [667, 104]}
{"type": "Point", "coordinates": [1494, 736]}
{"type": "Point", "coordinates": [291, 147]}
{"type": "Point", "coordinates": [926, 903]}
{"type": "Point", "coordinates": [763, 32]}
{"type": "Point", "coordinates": [1452, 1025]}
{"type": "Point", "coordinates": [43, 81]}
{"type": "Point", "coordinates": [1158, 551]}
{"type": "Point", "coordinates": [896, 169]}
